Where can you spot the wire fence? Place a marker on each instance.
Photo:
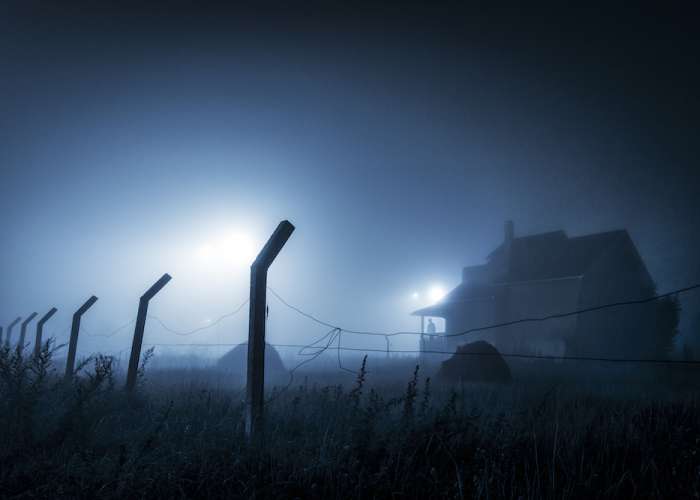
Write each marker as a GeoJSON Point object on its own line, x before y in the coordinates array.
{"type": "Point", "coordinates": [495, 325]}
{"type": "Point", "coordinates": [332, 339]}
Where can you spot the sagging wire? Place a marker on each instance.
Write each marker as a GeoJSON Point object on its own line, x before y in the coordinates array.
{"type": "Point", "coordinates": [331, 335]}
{"type": "Point", "coordinates": [492, 326]}
{"type": "Point", "coordinates": [113, 332]}
{"type": "Point", "coordinates": [199, 329]}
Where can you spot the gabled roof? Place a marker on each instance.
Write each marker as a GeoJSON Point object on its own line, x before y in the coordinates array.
{"type": "Point", "coordinates": [538, 257]}
{"type": "Point", "coordinates": [554, 255]}
{"type": "Point", "coordinates": [465, 292]}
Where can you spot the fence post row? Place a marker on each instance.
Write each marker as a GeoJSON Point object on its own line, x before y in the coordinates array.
{"type": "Point", "coordinates": [74, 329]}
{"type": "Point", "coordinates": [40, 330]}
{"type": "Point", "coordinates": [23, 331]}
{"type": "Point", "coordinates": [8, 335]}
{"type": "Point", "coordinates": [138, 330]}
{"type": "Point", "coordinates": [255, 380]}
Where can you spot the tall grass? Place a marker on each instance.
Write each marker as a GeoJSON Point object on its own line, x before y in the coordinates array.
{"type": "Point", "coordinates": [86, 439]}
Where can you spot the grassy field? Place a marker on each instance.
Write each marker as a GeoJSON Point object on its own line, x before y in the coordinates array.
{"type": "Point", "coordinates": [362, 436]}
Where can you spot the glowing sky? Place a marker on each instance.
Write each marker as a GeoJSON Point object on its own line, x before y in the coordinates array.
{"type": "Point", "coordinates": [137, 142]}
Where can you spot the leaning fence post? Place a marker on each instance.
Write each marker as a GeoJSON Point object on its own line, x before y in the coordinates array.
{"type": "Point", "coordinates": [8, 335]}
{"type": "Point", "coordinates": [74, 329]}
{"type": "Point", "coordinates": [138, 330]}
{"type": "Point", "coordinates": [40, 330]}
{"type": "Point", "coordinates": [23, 331]}
{"type": "Point", "coordinates": [255, 380]}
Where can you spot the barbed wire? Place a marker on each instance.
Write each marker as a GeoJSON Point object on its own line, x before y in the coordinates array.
{"type": "Point", "coordinates": [340, 348]}
{"type": "Point", "coordinates": [301, 312]}
{"type": "Point", "coordinates": [162, 324]}
{"type": "Point", "coordinates": [313, 318]}
{"type": "Point", "coordinates": [455, 353]}
{"type": "Point", "coordinates": [530, 356]}
{"type": "Point", "coordinates": [113, 332]}
{"type": "Point", "coordinates": [334, 336]}
{"type": "Point", "coordinates": [492, 326]}
{"type": "Point", "coordinates": [387, 335]}
{"type": "Point", "coordinates": [199, 329]}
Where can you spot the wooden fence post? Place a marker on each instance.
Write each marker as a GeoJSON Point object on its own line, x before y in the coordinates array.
{"type": "Point", "coordinates": [8, 335]}
{"type": "Point", "coordinates": [74, 329]}
{"type": "Point", "coordinates": [138, 330]}
{"type": "Point", "coordinates": [40, 330]}
{"type": "Point", "coordinates": [23, 331]}
{"type": "Point", "coordinates": [0, 335]}
{"type": "Point", "coordinates": [255, 380]}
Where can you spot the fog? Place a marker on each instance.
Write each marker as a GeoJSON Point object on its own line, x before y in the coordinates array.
{"type": "Point", "coordinates": [135, 143]}
{"type": "Point", "coordinates": [492, 287]}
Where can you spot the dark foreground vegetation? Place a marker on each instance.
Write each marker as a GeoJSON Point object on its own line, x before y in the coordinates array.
{"type": "Point", "coordinates": [87, 439]}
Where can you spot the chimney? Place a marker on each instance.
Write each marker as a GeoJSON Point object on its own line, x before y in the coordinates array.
{"type": "Point", "coordinates": [509, 232]}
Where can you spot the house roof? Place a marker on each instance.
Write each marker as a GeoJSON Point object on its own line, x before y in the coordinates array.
{"type": "Point", "coordinates": [545, 256]}
{"type": "Point", "coordinates": [554, 255]}
{"type": "Point", "coordinates": [464, 292]}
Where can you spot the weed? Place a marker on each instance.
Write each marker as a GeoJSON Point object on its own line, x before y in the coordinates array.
{"type": "Point", "coordinates": [85, 439]}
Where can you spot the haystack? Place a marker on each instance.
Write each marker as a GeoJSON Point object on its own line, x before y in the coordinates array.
{"type": "Point", "coordinates": [475, 362]}
{"type": "Point", "coordinates": [235, 363]}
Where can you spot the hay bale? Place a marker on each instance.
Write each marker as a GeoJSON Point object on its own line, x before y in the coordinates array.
{"type": "Point", "coordinates": [235, 363]}
{"type": "Point", "coordinates": [475, 362]}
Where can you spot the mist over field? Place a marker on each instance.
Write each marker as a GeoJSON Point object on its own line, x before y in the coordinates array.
{"type": "Point", "coordinates": [489, 284]}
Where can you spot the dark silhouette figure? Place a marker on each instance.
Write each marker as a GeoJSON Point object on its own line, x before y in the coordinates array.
{"type": "Point", "coordinates": [431, 327]}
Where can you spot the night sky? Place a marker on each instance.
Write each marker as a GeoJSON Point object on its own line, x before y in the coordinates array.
{"type": "Point", "coordinates": [397, 139]}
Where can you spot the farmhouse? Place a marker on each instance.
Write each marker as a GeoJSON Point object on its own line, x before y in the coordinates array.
{"type": "Point", "coordinates": [551, 273]}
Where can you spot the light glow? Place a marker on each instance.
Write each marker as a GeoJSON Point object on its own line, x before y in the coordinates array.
{"type": "Point", "coordinates": [234, 250]}
{"type": "Point", "coordinates": [436, 293]}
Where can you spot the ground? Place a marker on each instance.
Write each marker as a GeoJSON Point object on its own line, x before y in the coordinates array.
{"type": "Point", "coordinates": [360, 436]}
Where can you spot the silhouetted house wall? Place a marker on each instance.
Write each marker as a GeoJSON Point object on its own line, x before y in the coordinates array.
{"type": "Point", "coordinates": [550, 273]}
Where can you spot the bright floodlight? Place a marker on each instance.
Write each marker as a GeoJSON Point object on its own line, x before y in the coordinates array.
{"type": "Point", "coordinates": [415, 295]}
{"type": "Point", "coordinates": [235, 250]}
{"type": "Point", "coordinates": [436, 293]}
{"type": "Point", "coordinates": [205, 252]}
{"type": "Point", "coordinates": [239, 249]}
